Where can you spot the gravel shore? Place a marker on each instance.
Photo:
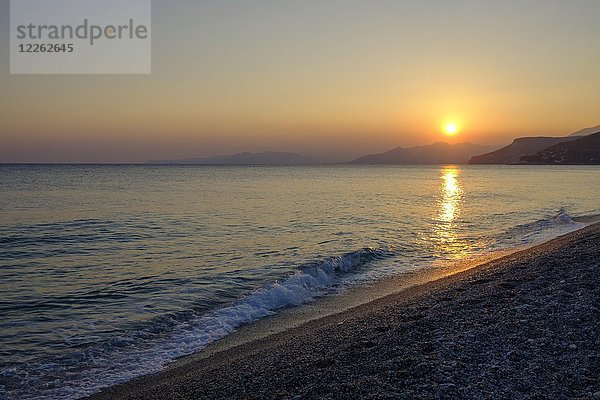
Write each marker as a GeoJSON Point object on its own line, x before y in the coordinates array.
{"type": "Point", "coordinates": [524, 326]}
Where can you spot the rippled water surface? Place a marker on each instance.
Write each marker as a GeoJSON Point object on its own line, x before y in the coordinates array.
{"type": "Point", "coordinates": [109, 272]}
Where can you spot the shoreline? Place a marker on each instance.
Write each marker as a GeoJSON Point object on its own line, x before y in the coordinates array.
{"type": "Point", "coordinates": [248, 363]}
{"type": "Point", "coordinates": [322, 307]}
{"type": "Point", "coordinates": [356, 296]}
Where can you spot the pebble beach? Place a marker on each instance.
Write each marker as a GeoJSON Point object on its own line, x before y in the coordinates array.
{"type": "Point", "coordinates": [522, 326]}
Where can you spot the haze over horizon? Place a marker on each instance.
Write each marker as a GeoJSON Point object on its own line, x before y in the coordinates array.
{"type": "Point", "coordinates": [335, 77]}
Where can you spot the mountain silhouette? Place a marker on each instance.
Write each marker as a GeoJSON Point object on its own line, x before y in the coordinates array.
{"type": "Point", "coordinates": [586, 131]}
{"type": "Point", "coordinates": [437, 153]}
{"type": "Point", "coordinates": [520, 147]}
{"type": "Point", "coordinates": [584, 150]}
{"type": "Point", "coordinates": [264, 158]}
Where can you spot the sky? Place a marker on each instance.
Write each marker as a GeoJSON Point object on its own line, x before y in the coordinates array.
{"type": "Point", "coordinates": [321, 77]}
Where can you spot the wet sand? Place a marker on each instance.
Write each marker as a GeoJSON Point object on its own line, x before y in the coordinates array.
{"type": "Point", "coordinates": [522, 326]}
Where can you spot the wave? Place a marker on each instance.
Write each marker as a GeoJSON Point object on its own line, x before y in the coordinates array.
{"type": "Point", "coordinates": [165, 340]}
{"type": "Point", "coordinates": [306, 284]}
{"type": "Point", "coordinates": [554, 225]}
{"type": "Point", "coordinates": [91, 366]}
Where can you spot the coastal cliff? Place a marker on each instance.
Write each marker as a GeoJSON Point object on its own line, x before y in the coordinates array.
{"type": "Point", "coordinates": [585, 150]}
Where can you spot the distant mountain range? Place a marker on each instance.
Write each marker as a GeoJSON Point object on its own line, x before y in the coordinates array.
{"type": "Point", "coordinates": [438, 153]}
{"type": "Point", "coordinates": [264, 158]}
{"type": "Point", "coordinates": [586, 131]}
{"type": "Point", "coordinates": [583, 150]}
{"type": "Point", "coordinates": [546, 150]}
{"type": "Point", "coordinates": [581, 147]}
{"type": "Point", "coordinates": [520, 147]}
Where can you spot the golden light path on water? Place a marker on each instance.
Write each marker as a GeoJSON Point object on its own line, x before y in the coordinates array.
{"type": "Point", "coordinates": [446, 236]}
{"type": "Point", "coordinates": [451, 194]}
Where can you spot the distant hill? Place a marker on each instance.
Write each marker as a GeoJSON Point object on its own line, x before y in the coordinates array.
{"type": "Point", "coordinates": [264, 158]}
{"type": "Point", "coordinates": [583, 150]}
{"type": "Point", "coordinates": [438, 153]}
{"type": "Point", "coordinates": [520, 147]}
{"type": "Point", "coordinates": [586, 131]}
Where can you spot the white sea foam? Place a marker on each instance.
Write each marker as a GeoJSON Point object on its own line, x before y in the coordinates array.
{"type": "Point", "coordinates": [545, 229]}
{"type": "Point", "coordinates": [127, 357]}
{"type": "Point", "coordinates": [124, 358]}
{"type": "Point", "coordinates": [301, 287]}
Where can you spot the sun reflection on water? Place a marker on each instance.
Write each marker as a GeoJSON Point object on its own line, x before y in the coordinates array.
{"type": "Point", "coordinates": [451, 194]}
{"type": "Point", "coordinates": [448, 242]}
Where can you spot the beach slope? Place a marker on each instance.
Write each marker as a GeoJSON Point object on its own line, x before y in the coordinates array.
{"type": "Point", "coordinates": [526, 325]}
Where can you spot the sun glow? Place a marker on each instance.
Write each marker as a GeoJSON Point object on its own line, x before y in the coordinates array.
{"type": "Point", "coordinates": [451, 128]}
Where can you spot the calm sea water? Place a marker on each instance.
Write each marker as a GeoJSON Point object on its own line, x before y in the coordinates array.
{"type": "Point", "coordinates": [110, 272]}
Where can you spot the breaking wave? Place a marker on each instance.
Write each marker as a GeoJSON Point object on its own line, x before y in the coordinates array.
{"type": "Point", "coordinates": [543, 229]}
{"type": "Point", "coordinates": [131, 355]}
{"type": "Point", "coordinates": [159, 341]}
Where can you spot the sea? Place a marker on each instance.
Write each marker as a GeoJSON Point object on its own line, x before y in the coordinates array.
{"type": "Point", "coordinates": [110, 272]}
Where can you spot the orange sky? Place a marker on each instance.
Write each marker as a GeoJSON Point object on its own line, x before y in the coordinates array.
{"type": "Point", "coordinates": [336, 76]}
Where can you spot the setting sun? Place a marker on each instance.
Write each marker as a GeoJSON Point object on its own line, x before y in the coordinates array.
{"type": "Point", "coordinates": [451, 129]}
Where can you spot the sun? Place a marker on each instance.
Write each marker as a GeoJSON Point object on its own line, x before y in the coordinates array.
{"type": "Point", "coordinates": [451, 128]}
